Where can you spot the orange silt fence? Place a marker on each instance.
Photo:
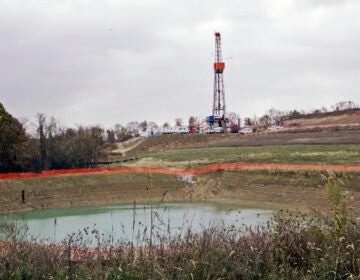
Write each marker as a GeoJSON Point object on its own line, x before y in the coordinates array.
{"type": "Point", "coordinates": [180, 172]}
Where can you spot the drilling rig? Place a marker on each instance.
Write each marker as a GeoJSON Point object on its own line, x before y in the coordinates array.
{"type": "Point", "coordinates": [218, 117]}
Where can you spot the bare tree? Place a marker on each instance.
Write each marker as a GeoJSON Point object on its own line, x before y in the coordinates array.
{"type": "Point", "coordinates": [152, 125]}
{"type": "Point", "coordinates": [344, 105]}
{"type": "Point", "coordinates": [133, 128]}
{"type": "Point", "coordinates": [143, 125]}
{"type": "Point", "coordinates": [323, 109]}
{"type": "Point", "coordinates": [111, 136]}
{"type": "Point", "coordinates": [274, 115]}
{"type": "Point", "coordinates": [178, 122]}
{"type": "Point", "coordinates": [41, 121]}
{"type": "Point", "coordinates": [233, 117]}
{"type": "Point", "coordinates": [265, 120]}
{"type": "Point", "coordinates": [121, 133]}
{"type": "Point", "coordinates": [248, 121]}
{"type": "Point", "coordinates": [192, 121]}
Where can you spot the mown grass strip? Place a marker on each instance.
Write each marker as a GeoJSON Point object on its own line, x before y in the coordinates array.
{"type": "Point", "coordinates": [293, 154]}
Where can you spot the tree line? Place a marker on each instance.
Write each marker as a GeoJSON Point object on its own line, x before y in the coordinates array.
{"type": "Point", "coordinates": [275, 116]}
{"type": "Point", "coordinates": [52, 146]}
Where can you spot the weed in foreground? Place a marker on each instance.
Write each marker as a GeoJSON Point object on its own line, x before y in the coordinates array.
{"type": "Point", "coordinates": [289, 246]}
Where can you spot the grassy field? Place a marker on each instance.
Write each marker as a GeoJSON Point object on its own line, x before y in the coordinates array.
{"type": "Point", "coordinates": [299, 154]}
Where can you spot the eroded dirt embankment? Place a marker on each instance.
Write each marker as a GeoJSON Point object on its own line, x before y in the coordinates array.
{"type": "Point", "coordinates": [87, 189]}
{"type": "Point", "coordinates": [259, 185]}
{"type": "Point", "coordinates": [276, 189]}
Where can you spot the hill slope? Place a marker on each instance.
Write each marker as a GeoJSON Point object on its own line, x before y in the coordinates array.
{"type": "Point", "coordinates": [347, 117]}
{"type": "Point", "coordinates": [318, 135]}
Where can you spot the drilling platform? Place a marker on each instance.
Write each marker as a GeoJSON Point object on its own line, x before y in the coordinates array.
{"type": "Point", "coordinates": [218, 118]}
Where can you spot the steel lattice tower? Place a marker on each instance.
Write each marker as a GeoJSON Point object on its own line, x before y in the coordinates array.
{"type": "Point", "coordinates": [219, 92]}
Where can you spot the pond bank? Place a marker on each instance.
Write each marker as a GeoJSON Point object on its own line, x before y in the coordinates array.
{"type": "Point", "coordinates": [301, 190]}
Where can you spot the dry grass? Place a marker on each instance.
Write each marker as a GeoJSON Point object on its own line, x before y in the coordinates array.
{"type": "Point", "coordinates": [128, 145]}
{"type": "Point", "coordinates": [290, 246]}
{"type": "Point", "coordinates": [298, 154]}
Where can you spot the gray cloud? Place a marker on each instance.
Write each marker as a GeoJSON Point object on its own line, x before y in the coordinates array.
{"type": "Point", "coordinates": [110, 62]}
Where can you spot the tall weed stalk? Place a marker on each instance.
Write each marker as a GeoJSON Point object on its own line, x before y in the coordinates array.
{"type": "Point", "coordinates": [289, 246]}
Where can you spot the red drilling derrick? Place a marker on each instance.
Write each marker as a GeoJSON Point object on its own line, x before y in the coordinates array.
{"type": "Point", "coordinates": [219, 92]}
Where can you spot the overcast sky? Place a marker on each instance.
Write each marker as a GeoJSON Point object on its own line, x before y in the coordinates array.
{"type": "Point", "coordinates": [114, 61]}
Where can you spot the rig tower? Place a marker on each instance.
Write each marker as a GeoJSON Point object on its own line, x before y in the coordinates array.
{"type": "Point", "coordinates": [218, 111]}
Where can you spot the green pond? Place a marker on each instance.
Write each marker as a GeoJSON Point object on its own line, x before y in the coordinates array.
{"type": "Point", "coordinates": [123, 223]}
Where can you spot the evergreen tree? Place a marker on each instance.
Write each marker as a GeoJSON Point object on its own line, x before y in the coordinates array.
{"type": "Point", "coordinates": [13, 143]}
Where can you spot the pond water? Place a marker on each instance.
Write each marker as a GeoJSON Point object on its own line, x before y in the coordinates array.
{"type": "Point", "coordinates": [130, 222]}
